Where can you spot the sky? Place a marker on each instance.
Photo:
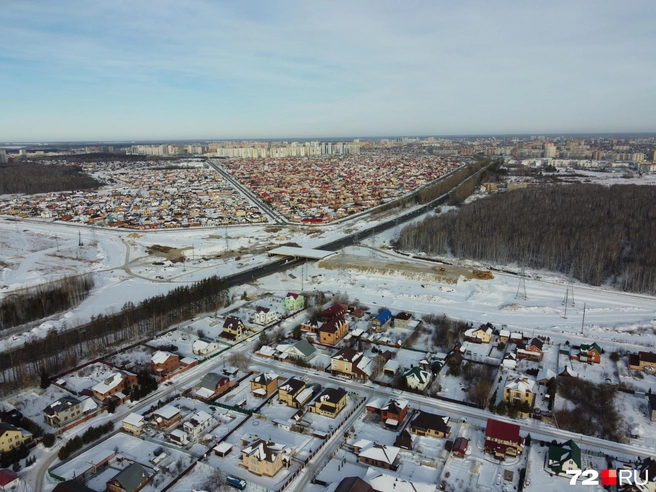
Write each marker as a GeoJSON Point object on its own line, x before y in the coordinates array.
{"type": "Point", "coordinates": [160, 69]}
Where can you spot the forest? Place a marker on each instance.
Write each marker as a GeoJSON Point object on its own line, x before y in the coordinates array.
{"type": "Point", "coordinates": [61, 350]}
{"type": "Point", "coordinates": [30, 178]}
{"type": "Point", "coordinates": [44, 300]}
{"type": "Point", "coordinates": [594, 233]}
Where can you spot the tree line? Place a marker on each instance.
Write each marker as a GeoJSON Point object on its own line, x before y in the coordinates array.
{"type": "Point", "coordinates": [61, 350]}
{"type": "Point", "coordinates": [594, 233]}
{"type": "Point", "coordinates": [31, 177]}
{"type": "Point", "coordinates": [45, 300]}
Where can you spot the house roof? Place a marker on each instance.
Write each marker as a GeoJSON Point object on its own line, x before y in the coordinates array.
{"type": "Point", "coordinates": [560, 453]}
{"type": "Point", "coordinates": [460, 445]}
{"type": "Point", "coordinates": [7, 476]}
{"type": "Point", "coordinates": [523, 384]}
{"type": "Point", "coordinates": [353, 484]}
{"type": "Point", "coordinates": [647, 356]}
{"type": "Point", "coordinates": [291, 295]}
{"type": "Point", "coordinates": [333, 325]}
{"type": "Point", "coordinates": [211, 380]}
{"type": "Point", "coordinates": [5, 427]}
{"type": "Point", "coordinates": [134, 419]}
{"type": "Point", "coordinates": [72, 486]}
{"type": "Point", "coordinates": [403, 316]}
{"type": "Point", "coordinates": [425, 420]}
{"type": "Point", "coordinates": [537, 343]}
{"type": "Point", "coordinates": [160, 357]}
{"type": "Point", "coordinates": [198, 419]}
{"type": "Point", "coordinates": [292, 385]}
{"type": "Point", "coordinates": [304, 347]}
{"type": "Point", "coordinates": [167, 412]}
{"type": "Point", "coordinates": [109, 383]}
{"type": "Point", "coordinates": [504, 431]}
{"type": "Point", "coordinates": [420, 375]}
{"type": "Point", "coordinates": [331, 395]}
{"type": "Point", "coordinates": [265, 378]}
{"type": "Point", "coordinates": [332, 311]}
{"type": "Point", "coordinates": [545, 374]}
{"type": "Point", "coordinates": [131, 477]}
{"type": "Point", "coordinates": [264, 450]}
{"type": "Point", "coordinates": [395, 406]}
{"type": "Point", "coordinates": [232, 322]}
{"type": "Point", "coordinates": [384, 316]}
{"type": "Point", "coordinates": [585, 347]}
{"type": "Point", "coordinates": [377, 452]}
{"type": "Point", "coordinates": [261, 309]}
{"type": "Point", "coordinates": [60, 405]}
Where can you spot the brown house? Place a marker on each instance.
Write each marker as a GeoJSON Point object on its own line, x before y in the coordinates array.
{"type": "Point", "coordinates": [644, 361]}
{"type": "Point", "coordinates": [331, 332]}
{"type": "Point", "coordinates": [233, 328]}
{"type": "Point", "coordinates": [118, 382]}
{"type": "Point", "coordinates": [330, 402]}
{"type": "Point", "coordinates": [502, 439]}
{"type": "Point", "coordinates": [163, 363]}
{"type": "Point", "coordinates": [429, 424]}
{"type": "Point", "coordinates": [351, 363]}
{"type": "Point", "coordinates": [532, 350]}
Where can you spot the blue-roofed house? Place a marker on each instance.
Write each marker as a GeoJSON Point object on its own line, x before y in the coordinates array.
{"type": "Point", "coordinates": [382, 320]}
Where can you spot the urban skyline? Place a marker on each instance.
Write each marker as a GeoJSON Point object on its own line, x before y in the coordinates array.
{"type": "Point", "coordinates": [206, 70]}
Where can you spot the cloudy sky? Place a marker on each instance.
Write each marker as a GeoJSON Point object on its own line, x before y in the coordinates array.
{"type": "Point", "coordinates": [158, 69]}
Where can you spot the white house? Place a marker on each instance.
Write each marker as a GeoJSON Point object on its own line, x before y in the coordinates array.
{"type": "Point", "coordinates": [201, 347]}
{"type": "Point", "coordinates": [199, 423]}
{"type": "Point", "coordinates": [418, 378]}
{"type": "Point", "coordinates": [264, 316]}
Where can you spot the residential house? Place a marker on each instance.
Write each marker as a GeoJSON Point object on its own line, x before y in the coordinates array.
{"type": "Point", "coordinates": [590, 353]}
{"type": "Point", "coordinates": [644, 361]}
{"type": "Point", "coordinates": [213, 385]}
{"type": "Point", "coordinates": [519, 389]}
{"type": "Point", "coordinates": [130, 479]}
{"type": "Point", "coordinates": [482, 334]}
{"type": "Point", "coordinates": [564, 457]}
{"type": "Point", "coordinates": [418, 379]}
{"type": "Point", "coordinates": [117, 382]}
{"type": "Point", "coordinates": [504, 336]}
{"type": "Point", "coordinates": [376, 454]}
{"type": "Point", "coordinates": [394, 412]}
{"type": "Point", "coordinates": [264, 457]}
{"type": "Point", "coordinates": [353, 484]}
{"type": "Point", "coordinates": [402, 320]}
{"type": "Point", "coordinates": [404, 440]}
{"type": "Point", "coordinates": [72, 486]}
{"type": "Point", "coordinates": [264, 316]}
{"type": "Point", "coordinates": [264, 384]}
{"type": "Point", "coordinates": [544, 376]}
{"type": "Point", "coordinates": [198, 424]}
{"type": "Point", "coordinates": [351, 363]}
{"type": "Point", "coordinates": [531, 351]}
{"type": "Point", "coordinates": [502, 439]}
{"type": "Point", "coordinates": [202, 347]}
{"type": "Point", "coordinates": [166, 416]}
{"type": "Point", "coordinates": [233, 328]}
{"type": "Point", "coordinates": [163, 363]}
{"type": "Point", "coordinates": [390, 367]}
{"type": "Point", "coordinates": [651, 407]}
{"type": "Point", "coordinates": [294, 302]}
{"type": "Point", "coordinates": [301, 350]}
{"type": "Point", "coordinates": [333, 330]}
{"type": "Point", "coordinates": [294, 393]}
{"type": "Point", "coordinates": [509, 361]}
{"type": "Point", "coordinates": [68, 409]}
{"type": "Point", "coordinates": [311, 325]}
{"type": "Point", "coordinates": [429, 424]}
{"type": "Point", "coordinates": [330, 402]}
{"type": "Point", "coordinates": [460, 447]}
{"type": "Point", "coordinates": [334, 311]}
{"type": "Point", "coordinates": [382, 320]}
{"type": "Point", "coordinates": [9, 479]}
{"type": "Point", "coordinates": [133, 424]}
{"type": "Point", "coordinates": [179, 437]}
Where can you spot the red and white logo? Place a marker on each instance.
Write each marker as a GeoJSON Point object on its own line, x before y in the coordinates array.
{"type": "Point", "coordinates": [608, 477]}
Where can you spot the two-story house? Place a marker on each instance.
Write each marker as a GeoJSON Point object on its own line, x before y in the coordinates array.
{"type": "Point", "coordinates": [531, 351]}
{"type": "Point", "coordinates": [294, 393]}
{"type": "Point", "coordinates": [376, 454]}
{"type": "Point", "coordinates": [163, 363]}
{"type": "Point", "coordinates": [294, 302]}
{"type": "Point", "coordinates": [117, 382]}
{"type": "Point", "coordinates": [382, 320]}
{"type": "Point", "coordinates": [264, 457]}
{"type": "Point", "coordinates": [133, 424]}
{"type": "Point", "coordinates": [590, 353]}
{"type": "Point", "coordinates": [233, 328]}
{"type": "Point", "coordinates": [564, 457]}
{"type": "Point", "coordinates": [351, 363]}
{"type": "Point", "coordinates": [644, 361]}
{"type": "Point", "coordinates": [166, 416]}
{"type": "Point", "coordinates": [430, 424]}
{"type": "Point", "coordinates": [393, 413]}
{"type": "Point", "coordinates": [332, 331]}
{"type": "Point", "coordinates": [402, 320]}
{"type": "Point", "coordinates": [502, 439]}
{"type": "Point", "coordinates": [264, 384]}
{"type": "Point", "coordinates": [329, 403]}
{"type": "Point", "coordinates": [213, 385]}
{"type": "Point", "coordinates": [519, 389]}
{"type": "Point", "coordinates": [482, 334]}
{"type": "Point", "coordinates": [68, 409]}
{"type": "Point", "coordinates": [12, 437]}
{"type": "Point", "coordinates": [264, 316]}
{"type": "Point", "coordinates": [418, 378]}
{"type": "Point", "coordinates": [131, 479]}
{"type": "Point", "coordinates": [197, 425]}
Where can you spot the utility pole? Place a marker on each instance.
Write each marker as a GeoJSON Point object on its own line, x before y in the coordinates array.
{"type": "Point", "coordinates": [521, 288]}
{"type": "Point", "coordinates": [583, 320]}
{"type": "Point", "coordinates": [566, 295]}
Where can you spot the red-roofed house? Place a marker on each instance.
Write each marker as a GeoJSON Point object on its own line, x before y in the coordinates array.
{"type": "Point", "coordinates": [8, 479]}
{"type": "Point", "coordinates": [332, 331]}
{"type": "Point", "coordinates": [333, 311]}
{"type": "Point", "coordinates": [502, 439]}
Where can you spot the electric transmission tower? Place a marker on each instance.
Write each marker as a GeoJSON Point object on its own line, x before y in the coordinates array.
{"type": "Point", "coordinates": [521, 288]}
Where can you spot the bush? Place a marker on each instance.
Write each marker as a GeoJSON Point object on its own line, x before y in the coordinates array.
{"type": "Point", "coordinates": [615, 356]}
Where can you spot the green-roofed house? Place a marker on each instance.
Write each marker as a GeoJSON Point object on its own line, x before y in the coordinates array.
{"type": "Point", "coordinates": [564, 457]}
{"type": "Point", "coordinates": [590, 353]}
{"type": "Point", "coordinates": [417, 378]}
{"type": "Point", "coordinates": [302, 350]}
{"type": "Point", "coordinates": [131, 479]}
